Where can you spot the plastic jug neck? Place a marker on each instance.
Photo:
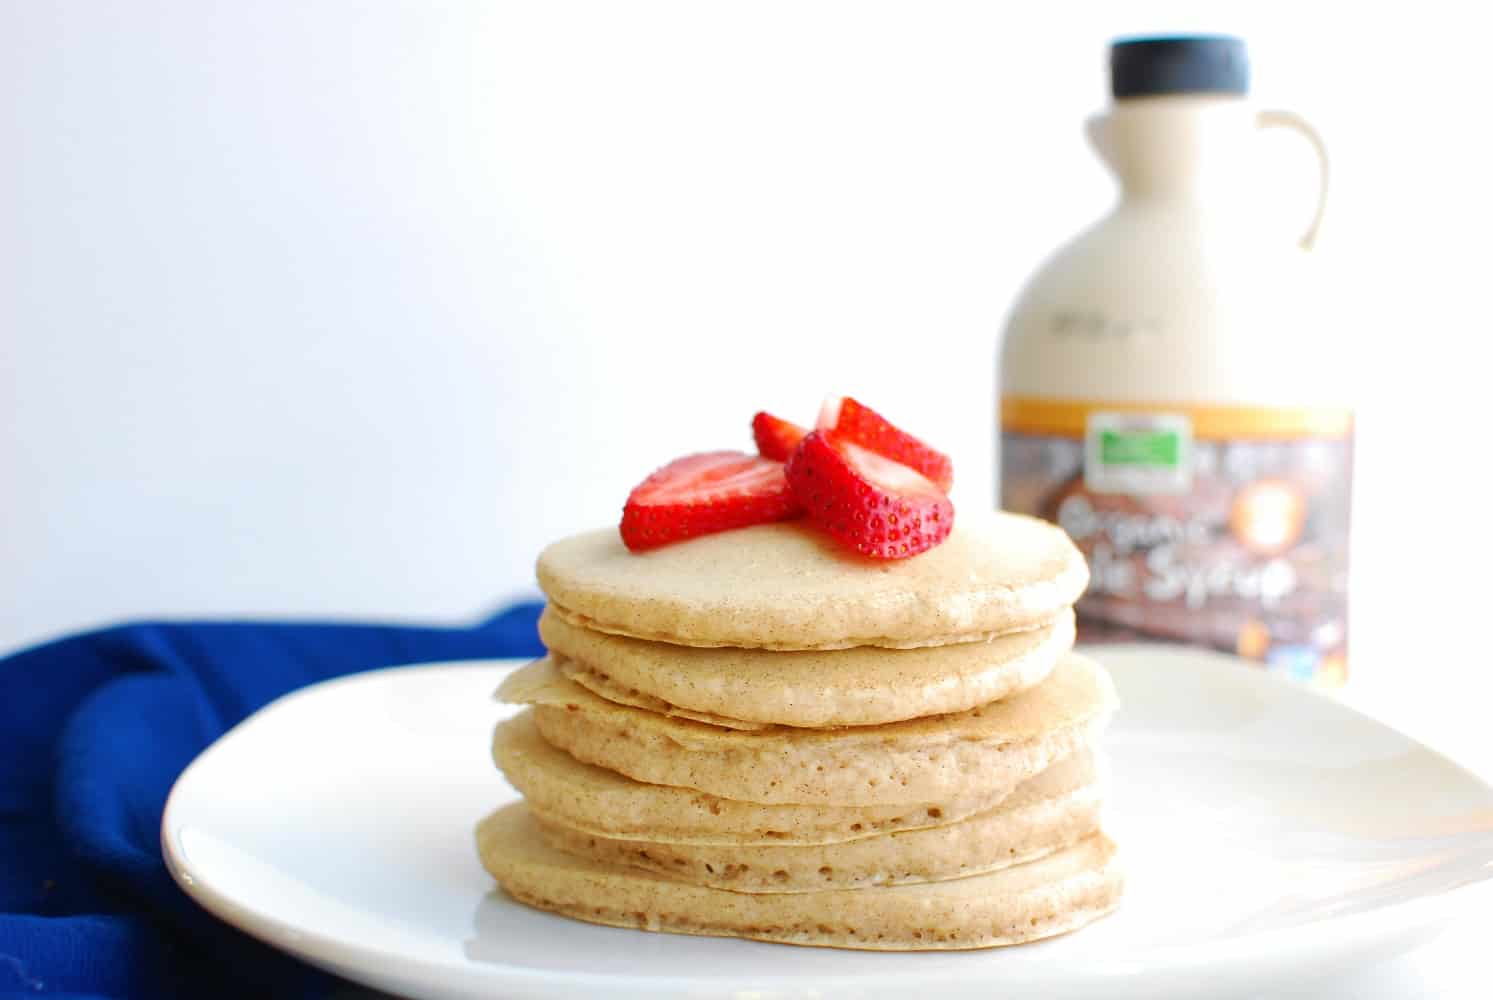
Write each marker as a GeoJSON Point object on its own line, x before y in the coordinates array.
{"type": "Point", "coordinates": [1176, 146]}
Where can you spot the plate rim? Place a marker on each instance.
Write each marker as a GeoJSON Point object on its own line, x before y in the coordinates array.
{"type": "Point", "coordinates": [1417, 915]}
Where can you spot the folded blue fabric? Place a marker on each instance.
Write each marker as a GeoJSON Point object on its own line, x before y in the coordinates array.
{"type": "Point", "coordinates": [93, 731]}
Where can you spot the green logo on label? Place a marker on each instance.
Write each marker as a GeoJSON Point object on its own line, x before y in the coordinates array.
{"type": "Point", "coordinates": [1141, 447]}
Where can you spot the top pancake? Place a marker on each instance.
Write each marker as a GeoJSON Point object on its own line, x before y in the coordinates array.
{"type": "Point", "coordinates": [787, 586]}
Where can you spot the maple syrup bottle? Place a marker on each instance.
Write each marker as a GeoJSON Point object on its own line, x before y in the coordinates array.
{"type": "Point", "coordinates": [1169, 392]}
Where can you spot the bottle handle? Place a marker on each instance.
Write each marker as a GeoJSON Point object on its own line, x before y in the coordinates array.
{"type": "Point", "coordinates": [1096, 130]}
{"type": "Point", "coordinates": [1291, 120]}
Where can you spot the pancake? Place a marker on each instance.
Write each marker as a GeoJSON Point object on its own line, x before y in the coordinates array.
{"type": "Point", "coordinates": [612, 690]}
{"type": "Point", "coordinates": [583, 797]}
{"type": "Point", "coordinates": [1055, 894]}
{"type": "Point", "coordinates": [984, 751]}
{"type": "Point", "coordinates": [788, 586]}
{"type": "Point", "coordinates": [743, 688]}
{"type": "Point", "coordinates": [1054, 810]}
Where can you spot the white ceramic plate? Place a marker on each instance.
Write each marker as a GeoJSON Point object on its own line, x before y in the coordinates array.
{"type": "Point", "coordinates": [1271, 836]}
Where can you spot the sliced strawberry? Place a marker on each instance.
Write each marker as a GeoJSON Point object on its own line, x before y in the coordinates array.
{"type": "Point", "coordinates": [862, 425]}
{"type": "Point", "coordinates": [776, 437]}
{"type": "Point", "coordinates": [705, 493]}
{"type": "Point", "coordinates": [879, 507]}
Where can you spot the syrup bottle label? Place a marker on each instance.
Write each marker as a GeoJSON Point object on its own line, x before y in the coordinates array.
{"type": "Point", "coordinates": [1219, 526]}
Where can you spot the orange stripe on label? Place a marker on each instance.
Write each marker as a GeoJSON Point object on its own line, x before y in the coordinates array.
{"type": "Point", "coordinates": [1069, 418]}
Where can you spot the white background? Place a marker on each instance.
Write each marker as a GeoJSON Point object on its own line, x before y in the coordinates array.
{"type": "Point", "coordinates": [344, 309]}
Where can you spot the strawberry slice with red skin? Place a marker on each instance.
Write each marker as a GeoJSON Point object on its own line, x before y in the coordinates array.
{"type": "Point", "coordinates": [776, 437]}
{"type": "Point", "coordinates": [703, 494]}
{"type": "Point", "coordinates": [862, 425]}
{"type": "Point", "coordinates": [879, 507]}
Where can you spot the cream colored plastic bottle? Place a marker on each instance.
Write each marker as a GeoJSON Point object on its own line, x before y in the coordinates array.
{"type": "Point", "coordinates": [1167, 392]}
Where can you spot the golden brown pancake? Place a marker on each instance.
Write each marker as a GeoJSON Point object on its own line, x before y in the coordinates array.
{"type": "Point", "coordinates": [592, 799]}
{"type": "Point", "coordinates": [788, 586]}
{"type": "Point", "coordinates": [1049, 896]}
{"type": "Point", "coordinates": [863, 686]}
{"type": "Point", "coordinates": [1054, 810]}
{"type": "Point", "coordinates": [984, 751]}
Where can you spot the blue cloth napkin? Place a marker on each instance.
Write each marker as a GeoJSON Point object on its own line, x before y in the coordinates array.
{"type": "Point", "coordinates": [93, 731]}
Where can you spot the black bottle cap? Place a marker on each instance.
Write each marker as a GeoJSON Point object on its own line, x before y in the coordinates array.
{"type": "Point", "coordinates": [1178, 64]}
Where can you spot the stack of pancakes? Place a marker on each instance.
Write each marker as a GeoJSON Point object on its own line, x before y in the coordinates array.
{"type": "Point", "coordinates": [758, 734]}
